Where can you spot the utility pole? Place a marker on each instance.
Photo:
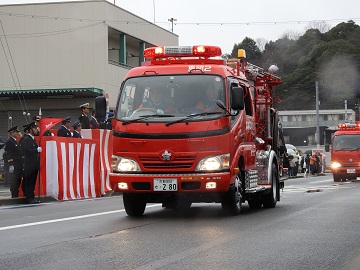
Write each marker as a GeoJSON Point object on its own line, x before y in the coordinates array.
{"type": "Point", "coordinates": [317, 137]}
{"type": "Point", "coordinates": [357, 106]}
{"type": "Point", "coordinates": [172, 20]}
{"type": "Point", "coordinates": [346, 118]}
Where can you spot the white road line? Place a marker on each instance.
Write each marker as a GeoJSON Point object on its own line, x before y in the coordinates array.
{"type": "Point", "coordinates": [66, 219]}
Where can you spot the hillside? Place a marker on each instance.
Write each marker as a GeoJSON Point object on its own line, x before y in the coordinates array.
{"type": "Point", "coordinates": [331, 58]}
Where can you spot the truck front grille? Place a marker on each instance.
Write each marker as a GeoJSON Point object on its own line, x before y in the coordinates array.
{"type": "Point", "coordinates": [179, 162]}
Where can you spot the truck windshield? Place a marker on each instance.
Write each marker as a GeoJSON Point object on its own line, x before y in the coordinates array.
{"type": "Point", "coordinates": [170, 97]}
{"type": "Point", "coordinates": [347, 142]}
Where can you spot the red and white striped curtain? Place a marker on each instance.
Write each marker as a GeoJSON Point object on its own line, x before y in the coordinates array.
{"type": "Point", "coordinates": [73, 168]}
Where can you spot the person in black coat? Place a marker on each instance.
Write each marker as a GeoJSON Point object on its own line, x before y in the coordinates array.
{"type": "Point", "coordinates": [31, 152]}
{"type": "Point", "coordinates": [84, 119]}
{"type": "Point", "coordinates": [77, 129]}
{"type": "Point", "coordinates": [64, 130]}
{"type": "Point", "coordinates": [14, 160]}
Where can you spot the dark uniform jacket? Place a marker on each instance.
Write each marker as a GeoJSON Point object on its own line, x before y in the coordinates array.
{"type": "Point", "coordinates": [93, 123]}
{"type": "Point", "coordinates": [31, 155]}
{"type": "Point", "coordinates": [13, 154]}
{"type": "Point", "coordinates": [85, 122]}
{"type": "Point", "coordinates": [63, 132]}
{"type": "Point", "coordinates": [76, 134]}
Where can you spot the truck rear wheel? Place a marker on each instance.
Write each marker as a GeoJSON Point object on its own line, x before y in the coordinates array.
{"type": "Point", "coordinates": [232, 199]}
{"type": "Point", "coordinates": [270, 199]}
{"type": "Point", "coordinates": [134, 204]}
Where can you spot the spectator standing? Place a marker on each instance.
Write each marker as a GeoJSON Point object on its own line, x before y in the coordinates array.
{"type": "Point", "coordinates": [307, 165]}
{"type": "Point", "coordinates": [77, 129]}
{"type": "Point", "coordinates": [319, 162]}
{"type": "Point", "coordinates": [313, 164]}
{"type": "Point", "coordinates": [30, 150]}
{"type": "Point", "coordinates": [64, 130]}
{"type": "Point", "coordinates": [84, 119]}
{"type": "Point", "coordinates": [14, 159]}
{"type": "Point", "coordinates": [292, 164]}
{"type": "Point", "coordinates": [93, 121]}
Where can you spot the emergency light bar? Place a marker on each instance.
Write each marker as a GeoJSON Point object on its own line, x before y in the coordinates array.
{"type": "Point", "coordinates": [182, 51]}
{"type": "Point", "coordinates": [349, 126]}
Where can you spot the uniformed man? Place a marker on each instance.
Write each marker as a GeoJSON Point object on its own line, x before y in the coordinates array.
{"type": "Point", "coordinates": [37, 119]}
{"type": "Point", "coordinates": [64, 130]}
{"type": "Point", "coordinates": [84, 119]}
{"type": "Point", "coordinates": [30, 150]}
{"type": "Point", "coordinates": [77, 129]}
{"type": "Point", "coordinates": [14, 161]}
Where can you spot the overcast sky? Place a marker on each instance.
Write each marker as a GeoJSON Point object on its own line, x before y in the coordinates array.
{"type": "Point", "coordinates": [226, 22]}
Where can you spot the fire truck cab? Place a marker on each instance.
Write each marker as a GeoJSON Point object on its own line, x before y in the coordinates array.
{"type": "Point", "coordinates": [345, 152]}
{"type": "Point", "coordinates": [190, 127]}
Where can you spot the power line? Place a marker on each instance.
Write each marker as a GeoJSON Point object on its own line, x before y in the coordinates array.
{"type": "Point", "coordinates": [13, 65]}
{"type": "Point", "coordinates": [44, 34]}
{"type": "Point", "coordinates": [178, 23]}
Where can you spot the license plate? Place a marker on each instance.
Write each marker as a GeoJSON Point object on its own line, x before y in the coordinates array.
{"type": "Point", "coordinates": [165, 184]}
{"type": "Point", "coordinates": [350, 170]}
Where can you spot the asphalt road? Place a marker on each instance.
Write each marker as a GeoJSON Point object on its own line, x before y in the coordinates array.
{"type": "Point", "coordinates": [314, 226]}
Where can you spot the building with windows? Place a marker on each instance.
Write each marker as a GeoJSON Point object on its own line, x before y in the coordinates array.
{"type": "Point", "coordinates": [56, 56]}
{"type": "Point", "coordinates": [299, 127]}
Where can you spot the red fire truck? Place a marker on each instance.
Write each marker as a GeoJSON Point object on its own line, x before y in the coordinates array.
{"type": "Point", "coordinates": [345, 152]}
{"type": "Point", "coordinates": [190, 127]}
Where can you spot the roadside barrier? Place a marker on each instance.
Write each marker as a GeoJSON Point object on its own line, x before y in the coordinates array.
{"type": "Point", "coordinates": [72, 168]}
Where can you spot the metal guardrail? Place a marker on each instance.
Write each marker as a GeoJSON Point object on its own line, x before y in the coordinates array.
{"type": "Point", "coordinates": [287, 124]}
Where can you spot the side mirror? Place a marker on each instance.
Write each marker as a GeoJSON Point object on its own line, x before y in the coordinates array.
{"type": "Point", "coordinates": [100, 108]}
{"type": "Point", "coordinates": [237, 98]}
{"type": "Point", "coordinates": [327, 147]}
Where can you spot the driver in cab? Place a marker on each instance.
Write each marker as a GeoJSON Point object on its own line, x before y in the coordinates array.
{"type": "Point", "coordinates": [156, 101]}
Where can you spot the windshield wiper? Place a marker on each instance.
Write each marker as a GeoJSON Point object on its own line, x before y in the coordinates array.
{"type": "Point", "coordinates": [190, 116]}
{"type": "Point", "coordinates": [143, 117]}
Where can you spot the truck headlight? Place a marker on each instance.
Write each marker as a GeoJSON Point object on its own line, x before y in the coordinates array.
{"type": "Point", "coordinates": [214, 163]}
{"type": "Point", "coordinates": [335, 165]}
{"type": "Point", "coordinates": [124, 164]}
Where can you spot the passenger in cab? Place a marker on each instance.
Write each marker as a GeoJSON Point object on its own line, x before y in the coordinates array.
{"type": "Point", "coordinates": [208, 104]}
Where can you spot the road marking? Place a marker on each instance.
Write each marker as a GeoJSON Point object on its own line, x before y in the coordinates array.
{"type": "Point", "coordinates": [66, 219]}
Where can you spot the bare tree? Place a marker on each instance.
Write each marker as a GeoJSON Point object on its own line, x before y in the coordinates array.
{"type": "Point", "coordinates": [292, 35]}
{"type": "Point", "coordinates": [261, 42]}
{"type": "Point", "coordinates": [322, 26]}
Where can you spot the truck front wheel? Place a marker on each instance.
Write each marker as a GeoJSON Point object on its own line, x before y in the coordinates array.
{"type": "Point", "coordinates": [134, 204]}
{"type": "Point", "coordinates": [232, 198]}
{"type": "Point", "coordinates": [270, 199]}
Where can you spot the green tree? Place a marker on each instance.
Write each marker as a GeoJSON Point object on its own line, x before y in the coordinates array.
{"type": "Point", "coordinates": [253, 53]}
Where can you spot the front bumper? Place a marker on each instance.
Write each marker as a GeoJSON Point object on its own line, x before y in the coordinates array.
{"type": "Point", "coordinates": [347, 171]}
{"type": "Point", "coordinates": [186, 183]}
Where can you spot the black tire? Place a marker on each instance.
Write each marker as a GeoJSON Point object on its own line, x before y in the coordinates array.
{"type": "Point", "coordinates": [270, 199]}
{"type": "Point", "coordinates": [232, 199]}
{"type": "Point", "coordinates": [134, 204]}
